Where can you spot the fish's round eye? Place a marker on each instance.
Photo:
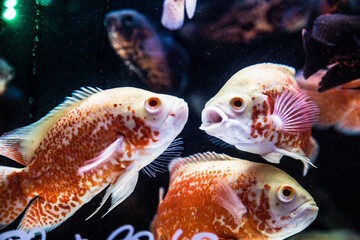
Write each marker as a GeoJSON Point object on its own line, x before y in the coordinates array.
{"type": "Point", "coordinates": [152, 104]}
{"type": "Point", "coordinates": [237, 103]}
{"type": "Point", "coordinates": [285, 193]}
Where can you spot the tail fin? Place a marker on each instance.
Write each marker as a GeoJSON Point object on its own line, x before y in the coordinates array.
{"type": "Point", "coordinates": [12, 199]}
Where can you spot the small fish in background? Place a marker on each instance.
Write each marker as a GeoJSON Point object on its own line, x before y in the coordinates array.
{"type": "Point", "coordinates": [333, 43]}
{"type": "Point", "coordinates": [242, 21]}
{"type": "Point", "coordinates": [233, 199]}
{"type": "Point", "coordinates": [339, 234]}
{"type": "Point", "coordinates": [339, 106]}
{"type": "Point", "coordinates": [262, 110]}
{"type": "Point", "coordinates": [6, 75]}
{"type": "Point", "coordinates": [174, 12]}
{"type": "Point", "coordinates": [157, 59]}
{"type": "Point", "coordinates": [94, 140]}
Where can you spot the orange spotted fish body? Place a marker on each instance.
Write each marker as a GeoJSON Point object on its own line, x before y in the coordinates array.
{"type": "Point", "coordinates": [232, 198]}
{"type": "Point", "coordinates": [262, 110]}
{"type": "Point", "coordinates": [94, 139]}
{"type": "Point", "coordinates": [339, 107]}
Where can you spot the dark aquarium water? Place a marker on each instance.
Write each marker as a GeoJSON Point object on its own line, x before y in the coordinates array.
{"type": "Point", "coordinates": [99, 142]}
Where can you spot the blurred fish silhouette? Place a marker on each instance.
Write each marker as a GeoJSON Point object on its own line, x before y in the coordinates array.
{"type": "Point", "coordinates": [334, 42]}
{"type": "Point", "coordinates": [173, 12]}
{"type": "Point", "coordinates": [6, 75]}
{"type": "Point", "coordinates": [155, 58]}
{"type": "Point", "coordinates": [339, 106]}
{"type": "Point", "coordinates": [242, 21]}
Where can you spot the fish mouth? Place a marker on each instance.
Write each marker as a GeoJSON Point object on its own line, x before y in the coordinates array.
{"type": "Point", "coordinates": [308, 209]}
{"type": "Point", "coordinates": [307, 212]}
{"type": "Point", "coordinates": [300, 218]}
{"type": "Point", "coordinates": [212, 117]}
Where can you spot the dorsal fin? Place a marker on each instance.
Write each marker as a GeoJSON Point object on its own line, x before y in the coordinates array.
{"type": "Point", "coordinates": [20, 144]}
{"type": "Point", "coordinates": [179, 164]}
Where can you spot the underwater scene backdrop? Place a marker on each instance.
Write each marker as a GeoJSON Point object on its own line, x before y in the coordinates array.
{"type": "Point", "coordinates": [52, 48]}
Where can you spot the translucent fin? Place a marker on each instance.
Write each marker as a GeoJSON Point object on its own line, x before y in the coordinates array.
{"type": "Point", "coordinates": [106, 155]}
{"type": "Point", "coordinates": [119, 189]}
{"type": "Point", "coordinates": [190, 6]}
{"type": "Point", "coordinates": [161, 194]}
{"type": "Point", "coordinates": [218, 142]}
{"type": "Point", "coordinates": [312, 150]}
{"type": "Point", "coordinates": [160, 164]}
{"type": "Point", "coordinates": [46, 215]}
{"type": "Point", "coordinates": [21, 143]}
{"type": "Point", "coordinates": [226, 197]}
{"type": "Point", "coordinates": [11, 196]}
{"type": "Point", "coordinates": [179, 163]}
{"type": "Point", "coordinates": [11, 145]}
{"type": "Point", "coordinates": [272, 157]}
{"type": "Point", "coordinates": [294, 112]}
{"type": "Point", "coordinates": [173, 14]}
{"type": "Point", "coordinates": [305, 160]}
{"type": "Point", "coordinates": [123, 187]}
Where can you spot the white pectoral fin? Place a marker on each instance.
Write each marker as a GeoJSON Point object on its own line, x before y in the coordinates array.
{"type": "Point", "coordinates": [123, 187]}
{"type": "Point", "coordinates": [273, 157]}
{"type": "Point", "coordinates": [226, 197]}
{"type": "Point", "coordinates": [294, 112]}
{"type": "Point", "coordinates": [190, 6]}
{"type": "Point", "coordinates": [305, 160]}
{"type": "Point", "coordinates": [120, 189]}
{"type": "Point", "coordinates": [106, 155]}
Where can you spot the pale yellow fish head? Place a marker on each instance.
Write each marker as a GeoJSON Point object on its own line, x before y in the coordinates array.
{"type": "Point", "coordinates": [244, 105]}
{"type": "Point", "coordinates": [148, 120]}
{"type": "Point", "coordinates": [284, 206]}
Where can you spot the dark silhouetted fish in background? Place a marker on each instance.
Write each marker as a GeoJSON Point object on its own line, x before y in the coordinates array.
{"type": "Point", "coordinates": [334, 42]}
{"type": "Point", "coordinates": [6, 75]}
{"type": "Point", "coordinates": [156, 59]}
{"type": "Point", "coordinates": [339, 106]}
{"type": "Point", "coordinates": [241, 21]}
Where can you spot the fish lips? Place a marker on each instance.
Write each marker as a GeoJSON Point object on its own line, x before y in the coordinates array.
{"type": "Point", "coordinates": [212, 118]}
{"type": "Point", "coordinates": [306, 214]}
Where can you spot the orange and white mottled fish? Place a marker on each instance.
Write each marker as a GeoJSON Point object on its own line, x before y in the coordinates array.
{"type": "Point", "coordinates": [174, 12]}
{"type": "Point", "coordinates": [233, 199]}
{"type": "Point", "coordinates": [95, 139]}
{"type": "Point", "coordinates": [339, 107]}
{"type": "Point", "coordinates": [262, 110]}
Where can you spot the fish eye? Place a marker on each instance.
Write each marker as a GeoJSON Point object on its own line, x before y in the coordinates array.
{"type": "Point", "coordinates": [152, 104]}
{"type": "Point", "coordinates": [237, 103]}
{"type": "Point", "coordinates": [285, 193]}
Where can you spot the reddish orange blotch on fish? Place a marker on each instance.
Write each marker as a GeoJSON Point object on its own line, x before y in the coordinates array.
{"type": "Point", "coordinates": [93, 140]}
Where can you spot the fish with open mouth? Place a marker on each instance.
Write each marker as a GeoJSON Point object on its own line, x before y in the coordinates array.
{"type": "Point", "coordinates": [262, 110]}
